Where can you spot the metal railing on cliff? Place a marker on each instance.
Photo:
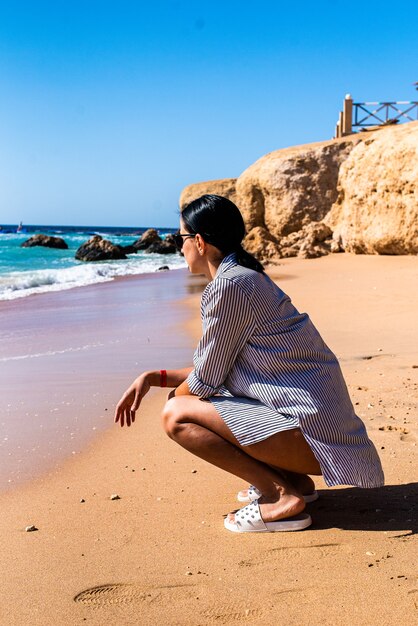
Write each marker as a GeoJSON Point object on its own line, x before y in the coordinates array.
{"type": "Point", "coordinates": [363, 115]}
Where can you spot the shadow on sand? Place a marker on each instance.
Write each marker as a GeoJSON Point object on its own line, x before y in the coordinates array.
{"type": "Point", "coordinates": [391, 508]}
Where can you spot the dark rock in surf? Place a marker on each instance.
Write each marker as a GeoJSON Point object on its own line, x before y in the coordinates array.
{"type": "Point", "coordinates": [46, 241]}
{"type": "Point", "coordinates": [161, 247]}
{"type": "Point", "coordinates": [128, 249]}
{"type": "Point", "coordinates": [170, 239]}
{"type": "Point", "coordinates": [147, 238]}
{"type": "Point", "coordinates": [99, 249]}
{"type": "Point", "coordinates": [150, 241]}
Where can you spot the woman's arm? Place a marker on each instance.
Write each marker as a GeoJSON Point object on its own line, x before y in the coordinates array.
{"type": "Point", "coordinates": [183, 389]}
{"type": "Point", "coordinates": [177, 377]}
{"type": "Point", "coordinates": [228, 323]}
{"type": "Point", "coordinates": [131, 399]}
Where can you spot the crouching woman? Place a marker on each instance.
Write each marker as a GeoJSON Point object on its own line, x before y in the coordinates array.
{"type": "Point", "coordinates": [265, 399]}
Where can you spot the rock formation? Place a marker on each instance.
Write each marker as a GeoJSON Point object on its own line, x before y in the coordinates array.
{"type": "Point", "coordinates": [358, 193]}
{"type": "Point", "coordinates": [286, 190]}
{"type": "Point", "coordinates": [45, 240]}
{"type": "Point", "coordinates": [150, 241]}
{"type": "Point", "coordinates": [376, 211]}
{"type": "Point", "coordinates": [99, 249]}
{"type": "Point", "coordinates": [313, 240]}
{"type": "Point", "coordinates": [147, 238]}
{"type": "Point", "coordinates": [223, 187]}
{"type": "Point", "coordinates": [164, 246]}
{"type": "Point", "coordinates": [261, 244]}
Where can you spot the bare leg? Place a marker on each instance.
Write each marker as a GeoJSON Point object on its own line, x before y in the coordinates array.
{"type": "Point", "coordinates": [196, 426]}
{"type": "Point", "coordinates": [301, 482]}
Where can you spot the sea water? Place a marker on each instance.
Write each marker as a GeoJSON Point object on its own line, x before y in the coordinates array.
{"type": "Point", "coordinates": [26, 271]}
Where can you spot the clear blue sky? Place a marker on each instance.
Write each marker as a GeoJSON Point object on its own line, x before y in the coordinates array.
{"type": "Point", "coordinates": [108, 109]}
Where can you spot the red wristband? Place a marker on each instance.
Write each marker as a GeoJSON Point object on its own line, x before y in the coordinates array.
{"type": "Point", "coordinates": [163, 378]}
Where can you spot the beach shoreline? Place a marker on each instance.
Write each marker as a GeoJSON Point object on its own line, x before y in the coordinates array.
{"type": "Point", "coordinates": [33, 270]}
{"type": "Point", "coordinates": [57, 363]}
{"type": "Point", "coordinates": [160, 552]}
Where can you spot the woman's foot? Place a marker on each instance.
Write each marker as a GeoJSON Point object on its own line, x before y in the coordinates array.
{"type": "Point", "coordinates": [279, 506]}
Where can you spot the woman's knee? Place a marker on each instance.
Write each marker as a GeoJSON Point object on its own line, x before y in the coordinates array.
{"type": "Point", "coordinates": [171, 416]}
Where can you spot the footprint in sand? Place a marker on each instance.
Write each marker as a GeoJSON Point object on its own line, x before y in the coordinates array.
{"type": "Point", "coordinates": [118, 593]}
{"type": "Point", "coordinates": [323, 550]}
{"type": "Point", "coordinates": [124, 593]}
{"type": "Point", "coordinates": [225, 613]}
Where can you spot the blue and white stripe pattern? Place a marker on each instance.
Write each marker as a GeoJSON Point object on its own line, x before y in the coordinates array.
{"type": "Point", "coordinates": [265, 368]}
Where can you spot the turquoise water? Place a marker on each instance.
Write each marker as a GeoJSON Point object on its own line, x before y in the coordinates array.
{"type": "Point", "coordinates": [25, 271]}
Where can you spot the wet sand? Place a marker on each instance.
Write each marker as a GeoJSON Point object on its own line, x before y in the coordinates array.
{"type": "Point", "coordinates": [66, 356]}
{"type": "Point", "coordinates": [160, 552]}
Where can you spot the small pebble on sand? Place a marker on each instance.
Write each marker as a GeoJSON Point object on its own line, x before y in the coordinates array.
{"type": "Point", "coordinates": [82, 500]}
{"type": "Point", "coordinates": [30, 529]}
{"type": "Point", "coordinates": [114, 496]}
{"type": "Point", "coordinates": [194, 471]}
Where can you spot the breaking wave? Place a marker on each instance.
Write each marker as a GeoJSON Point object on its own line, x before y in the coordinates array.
{"type": "Point", "coordinates": [25, 283]}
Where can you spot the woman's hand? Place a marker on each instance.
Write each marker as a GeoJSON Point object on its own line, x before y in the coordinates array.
{"type": "Point", "coordinates": [131, 399]}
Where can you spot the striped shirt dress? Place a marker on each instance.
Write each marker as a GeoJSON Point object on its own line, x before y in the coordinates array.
{"type": "Point", "coordinates": [266, 369]}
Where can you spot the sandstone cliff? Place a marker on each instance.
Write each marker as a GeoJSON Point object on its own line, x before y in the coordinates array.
{"type": "Point", "coordinates": [358, 193]}
{"type": "Point", "coordinates": [224, 187]}
{"type": "Point", "coordinates": [377, 206]}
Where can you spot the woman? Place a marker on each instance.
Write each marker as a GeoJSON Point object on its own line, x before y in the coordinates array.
{"type": "Point", "coordinates": [265, 399]}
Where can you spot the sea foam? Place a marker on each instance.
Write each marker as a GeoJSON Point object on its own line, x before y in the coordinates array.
{"type": "Point", "coordinates": [20, 284]}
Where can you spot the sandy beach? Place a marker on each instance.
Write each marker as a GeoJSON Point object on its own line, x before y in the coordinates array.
{"type": "Point", "coordinates": [159, 553]}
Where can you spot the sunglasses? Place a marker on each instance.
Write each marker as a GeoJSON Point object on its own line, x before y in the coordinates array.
{"type": "Point", "coordinates": [179, 239]}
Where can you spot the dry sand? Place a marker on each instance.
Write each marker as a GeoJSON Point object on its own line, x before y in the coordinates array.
{"type": "Point", "coordinates": [160, 553]}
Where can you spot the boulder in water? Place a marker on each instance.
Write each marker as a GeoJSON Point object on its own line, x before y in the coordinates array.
{"type": "Point", "coordinates": [99, 249]}
{"type": "Point", "coordinates": [162, 247]}
{"type": "Point", "coordinates": [147, 238]}
{"type": "Point", "coordinates": [46, 241]}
